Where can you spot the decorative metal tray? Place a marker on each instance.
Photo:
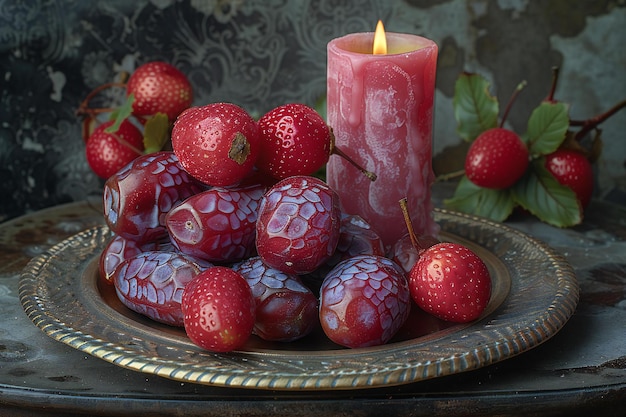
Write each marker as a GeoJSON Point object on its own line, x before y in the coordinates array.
{"type": "Point", "coordinates": [534, 294]}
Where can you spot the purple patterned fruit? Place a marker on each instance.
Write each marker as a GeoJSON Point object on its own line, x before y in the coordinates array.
{"type": "Point", "coordinates": [138, 197]}
{"type": "Point", "coordinates": [298, 224]}
{"type": "Point", "coordinates": [152, 283]}
{"type": "Point", "coordinates": [356, 237]}
{"type": "Point", "coordinates": [364, 301]}
{"type": "Point", "coordinates": [118, 250]}
{"type": "Point", "coordinates": [286, 309]}
{"type": "Point", "coordinates": [218, 224]}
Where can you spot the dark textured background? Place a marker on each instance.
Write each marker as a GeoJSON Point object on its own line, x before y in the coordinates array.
{"type": "Point", "coordinates": [260, 54]}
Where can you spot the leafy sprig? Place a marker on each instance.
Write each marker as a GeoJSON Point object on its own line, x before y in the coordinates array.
{"type": "Point", "coordinates": [156, 128]}
{"type": "Point", "coordinates": [476, 110]}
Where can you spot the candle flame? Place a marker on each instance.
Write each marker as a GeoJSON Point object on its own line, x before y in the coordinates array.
{"type": "Point", "coordinates": [380, 40]}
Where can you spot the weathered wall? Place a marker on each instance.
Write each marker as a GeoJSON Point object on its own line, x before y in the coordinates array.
{"type": "Point", "coordinates": [263, 53]}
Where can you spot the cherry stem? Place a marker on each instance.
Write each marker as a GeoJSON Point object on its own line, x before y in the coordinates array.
{"type": "Point", "coordinates": [450, 175]}
{"type": "Point", "coordinates": [592, 123]}
{"type": "Point", "coordinates": [125, 143]}
{"type": "Point", "coordinates": [409, 223]}
{"type": "Point", "coordinates": [370, 175]}
{"type": "Point", "coordinates": [86, 128]}
{"type": "Point", "coordinates": [335, 150]}
{"type": "Point", "coordinates": [516, 92]}
{"type": "Point", "coordinates": [555, 79]}
{"type": "Point", "coordinates": [84, 106]}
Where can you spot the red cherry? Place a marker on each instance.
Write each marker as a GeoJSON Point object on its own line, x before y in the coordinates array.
{"type": "Point", "coordinates": [572, 169]}
{"type": "Point", "coordinates": [496, 159]}
{"type": "Point", "coordinates": [295, 140]}
{"type": "Point", "coordinates": [218, 309]}
{"type": "Point", "coordinates": [159, 87]}
{"type": "Point", "coordinates": [218, 143]}
{"type": "Point", "coordinates": [107, 152]}
{"type": "Point", "coordinates": [450, 282]}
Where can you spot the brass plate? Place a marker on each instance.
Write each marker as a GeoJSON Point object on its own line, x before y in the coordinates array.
{"type": "Point", "coordinates": [534, 294]}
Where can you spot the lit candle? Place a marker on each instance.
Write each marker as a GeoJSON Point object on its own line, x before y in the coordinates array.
{"type": "Point", "coordinates": [380, 106]}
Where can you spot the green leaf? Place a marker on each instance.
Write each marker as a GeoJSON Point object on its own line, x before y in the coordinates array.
{"type": "Point", "coordinates": [469, 198]}
{"type": "Point", "coordinates": [113, 116]}
{"type": "Point", "coordinates": [475, 109]}
{"type": "Point", "coordinates": [156, 132]}
{"type": "Point", "coordinates": [122, 113]}
{"type": "Point", "coordinates": [547, 127]}
{"type": "Point", "coordinates": [320, 106]}
{"type": "Point", "coordinates": [541, 194]}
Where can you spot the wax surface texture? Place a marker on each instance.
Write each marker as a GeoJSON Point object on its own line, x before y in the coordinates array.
{"type": "Point", "coordinates": [381, 110]}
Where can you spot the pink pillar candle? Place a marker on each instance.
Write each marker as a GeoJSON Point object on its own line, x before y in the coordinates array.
{"type": "Point", "coordinates": [381, 110]}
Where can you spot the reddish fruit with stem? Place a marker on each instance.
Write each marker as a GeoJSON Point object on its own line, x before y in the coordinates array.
{"type": "Point", "coordinates": [159, 87]}
{"type": "Point", "coordinates": [448, 280]}
{"type": "Point", "coordinates": [406, 251]}
{"type": "Point", "coordinates": [572, 169]}
{"type": "Point", "coordinates": [217, 143]}
{"type": "Point", "coordinates": [295, 140]}
{"type": "Point", "coordinates": [571, 164]}
{"type": "Point", "coordinates": [218, 309]}
{"type": "Point", "coordinates": [496, 159]}
{"type": "Point", "coordinates": [108, 152]}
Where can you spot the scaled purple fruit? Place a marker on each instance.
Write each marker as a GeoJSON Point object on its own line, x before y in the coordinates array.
{"type": "Point", "coordinates": [119, 249]}
{"type": "Point", "coordinates": [218, 224]}
{"type": "Point", "coordinates": [137, 198]}
{"type": "Point", "coordinates": [286, 309]}
{"type": "Point", "coordinates": [152, 283]}
{"type": "Point", "coordinates": [364, 301]}
{"type": "Point", "coordinates": [298, 224]}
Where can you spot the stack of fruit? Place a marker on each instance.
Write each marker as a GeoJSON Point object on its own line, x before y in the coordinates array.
{"type": "Point", "coordinates": [156, 93]}
{"type": "Point", "coordinates": [229, 234]}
